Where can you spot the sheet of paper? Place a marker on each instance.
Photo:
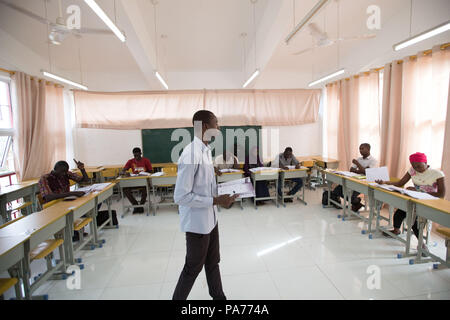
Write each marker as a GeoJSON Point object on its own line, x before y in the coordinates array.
{"type": "Point", "coordinates": [262, 169]}
{"type": "Point", "coordinates": [373, 174]}
{"type": "Point", "coordinates": [420, 195]}
{"type": "Point", "coordinates": [157, 174]}
{"type": "Point", "coordinates": [228, 170]}
{"type": "Point", "coordinates": [143, 173]}
{"type": "Point", "coordinates": [243, 187]}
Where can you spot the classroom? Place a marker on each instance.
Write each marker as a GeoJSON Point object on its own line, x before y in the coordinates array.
{"type": "Point", "coordinates": [250, 150]}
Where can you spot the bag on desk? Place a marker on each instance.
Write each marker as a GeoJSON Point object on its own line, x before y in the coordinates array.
{"type": "Point", "coordinates": [103, 215]}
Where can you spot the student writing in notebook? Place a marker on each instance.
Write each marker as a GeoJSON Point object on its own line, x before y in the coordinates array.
{"type": "Point", "coordinates": [359, 166]}
{"type": "Point", "coordinates": [424, 179]}
{"type": "Point", "coordinates": [283, 160]}
{"type": "Point", "coordinates": [137, 164]}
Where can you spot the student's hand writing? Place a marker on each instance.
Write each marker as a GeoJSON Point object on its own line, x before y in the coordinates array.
{"type": "Point", "coordinates": [379, 181]}
{"type": "Point", "coordinates": [285, 168]}
{"type": "Point", "coordinates": [297, 166]}
{"type": "Point", "coordinates": [217, 171]}
{"type": "Point", "coordinates": [411, 188]}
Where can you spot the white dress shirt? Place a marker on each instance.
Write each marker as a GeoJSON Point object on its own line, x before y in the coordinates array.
{"type": "Point", "coordinates": [369, 162]}
{"type": "Point", "coordinates": [195, 188]}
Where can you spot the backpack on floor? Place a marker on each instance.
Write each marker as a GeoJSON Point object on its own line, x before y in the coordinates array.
{"type": "Point", "coordinates": [333, 197]}
{"type": "Point", "coordinates": [103, 215]}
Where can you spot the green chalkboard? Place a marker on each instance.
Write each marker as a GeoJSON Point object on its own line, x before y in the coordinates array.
{"type": "Point", "coordinates": [159, 148]}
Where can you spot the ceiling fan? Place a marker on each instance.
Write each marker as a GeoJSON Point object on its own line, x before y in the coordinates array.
{"type": "Point", "coordinates": [58, 29]}
{"type": "Point", "coordinates": [322, 40]}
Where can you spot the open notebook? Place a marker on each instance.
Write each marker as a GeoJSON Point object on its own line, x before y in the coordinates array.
{"type": "Point", "coordinates": [411, 193]}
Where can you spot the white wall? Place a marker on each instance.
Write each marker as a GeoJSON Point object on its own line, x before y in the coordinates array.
{"type": "Point", "coordinates": [105, 147]}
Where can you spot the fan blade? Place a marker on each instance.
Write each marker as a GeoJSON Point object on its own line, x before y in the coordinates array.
{"type": "Point", "coordinates": [303, 51]}
{"type": "Point", "coordinates": [93, 31]}
{"type": "Point", "coordinates": [25, 12]}
{"type": "Point", "coordinates": [363, 37]}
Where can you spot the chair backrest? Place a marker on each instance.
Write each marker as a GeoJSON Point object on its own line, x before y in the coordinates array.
{"type": "Point", "coordinates": [110, 173]}
{"type": "Point", "coordinates": [12, 221]}
{"type": "Point", "coordinates": [308, 163]}
{"type": "Point", "coordinates": [169, 169]}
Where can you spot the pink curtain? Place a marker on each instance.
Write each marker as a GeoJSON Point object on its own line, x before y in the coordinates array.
{"type": "Point", "coordinates": [391, 124]}
{"type": "Point", "coordinates": [415, 103]}
{"type": "Point", "coordinates": [446, 150]}
{"type": "Point", "coordinates": [353, 117]}
{"type": "Point", "coordinates": [332, 115]}
{"type": "Point", "coordinates": [149, 110]}
{"type": "Point", "coordinates": [40, 138]}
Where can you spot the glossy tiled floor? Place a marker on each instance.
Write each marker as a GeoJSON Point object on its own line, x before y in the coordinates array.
{"type": "Point", "coordinates": [297, 252]}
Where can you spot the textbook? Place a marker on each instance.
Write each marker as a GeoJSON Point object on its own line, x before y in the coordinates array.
{"type": "Point", "coordinates": [263, 169]}
{"type": "Point", "coordinates": [94, 188]}
{"type": "Point", "coordinates": [411, 193]}
{"type": "Point", "coordinates": [350, 174]}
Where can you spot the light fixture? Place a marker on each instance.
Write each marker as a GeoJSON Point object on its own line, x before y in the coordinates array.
{"type": "Point", "coordinates": [58, 78]}
{"type": "Point", "coordinates": [423, 36]}
{"type": "Point", "coordinates": [335, 74]}
{"type": "Point", "coordinates": [161, 80]}
{"type": "Point", "coordinates": [305, 20]}
{"type": "Point", "coordinates": [102, 15]}
{"type": "Point", "coordinates": [254, 75]}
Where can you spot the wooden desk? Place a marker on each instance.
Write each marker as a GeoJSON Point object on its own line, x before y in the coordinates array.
{"type": "Point", "coordinates": [134, 182]}
{"type": "Point", "coordinates": [434, 210]}
{"type": "Point", "coordinates": [230, 176]}
{"type": "Point", "coordinates": [164, 180]}
{"type": "Point", "coordinates": [361, 186]}
{"type": "Point", "coordinates": [330, 178]}
{"type": "Point", "coordinates": [266, 175]}
{"type": "Point", "coordinates": [38, 227]}
{"type": "Point", "coordinates": [94, 171]}
{"type": "Point", "coordinates": [25, 189]}
{"type": "Point", "coordinates": [399, 201]}
{"type": "Point", "coordinates": [12, 254]}
{"type": "Point", "coordinates": [292, 174]}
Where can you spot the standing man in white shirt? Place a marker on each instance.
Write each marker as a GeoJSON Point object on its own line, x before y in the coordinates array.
{"type": "Point", "coordinates": [359, 166]}
{"type": "Point", "coordinates": [196, 195]}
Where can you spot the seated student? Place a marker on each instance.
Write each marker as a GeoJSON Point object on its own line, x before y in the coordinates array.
{"type": "Point", "coordinates": [137, 164]}
{"type": "Point", "coordinates": [226, 161]}
{"type": "Point", "coordinates": [56, 184]}
{"type": "Point", "coordinates": [282, 161]}
{"type": "Point", "coordinates": [359, 166]}
{"type": "Point", "coordinates": [424, 179]}
{"type": "Point", "coordinates": [253, 161]}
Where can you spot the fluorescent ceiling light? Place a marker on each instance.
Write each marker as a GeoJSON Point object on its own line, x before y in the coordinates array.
{"type": "Point", "coordinates": [161, 80]}
{"type": "Point", "coordinates": [423, 36]}
{"type": "Point", "coordinates": [254, 75]}
{"type": "Point", "coordinates": [305, 20]}
{"type": "Point", "coordinates": [102, 15]}
{"type": "Point", "coordinates": [50, 75]}
{"type": "Point", "coordinates": [335, 74]}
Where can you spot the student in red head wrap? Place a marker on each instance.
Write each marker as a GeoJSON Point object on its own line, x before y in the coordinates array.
{"type": "Point", "coordinates": [424, 179]}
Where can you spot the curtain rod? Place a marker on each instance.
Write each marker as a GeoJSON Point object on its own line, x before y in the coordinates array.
{"type": "Point", "coordinates": [7, 71]}
{"type": "Point", "coordinates": [32, 78]}
{"type": "Point", "coordinates": [426, 52]}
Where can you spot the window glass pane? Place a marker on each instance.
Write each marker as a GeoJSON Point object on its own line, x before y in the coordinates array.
{"type": "Point", "coordinates": [5, 106]}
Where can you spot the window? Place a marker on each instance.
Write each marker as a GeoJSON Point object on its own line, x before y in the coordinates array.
{"type": "Point", "coordinates": [7, 170]}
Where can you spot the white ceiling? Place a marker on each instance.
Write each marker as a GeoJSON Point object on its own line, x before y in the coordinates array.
{"type": "Point", "coordinates": [202, 47]}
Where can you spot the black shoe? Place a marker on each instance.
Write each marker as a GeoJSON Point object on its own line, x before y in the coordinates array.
{"type": "Point", "coordinates": [141, 210]}
{"type": "Point", "coordinates": [135, 210]}
{"type": "Point", "coordinates": [76, 236]}
{"type": "Point", "coordinates": [288, 200]}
